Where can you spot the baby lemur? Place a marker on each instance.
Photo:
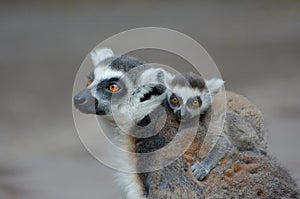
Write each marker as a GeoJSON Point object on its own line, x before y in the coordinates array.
{"type": "Point", "coordinates": [190, 98]}
{"type": "Point", "coordinates": [188, 105]}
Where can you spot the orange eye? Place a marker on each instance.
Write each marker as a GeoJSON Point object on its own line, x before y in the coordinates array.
{"type": "Point", "coordinates": [89, 82]}
{"type": "Point", "coordinates": [174, 100]}
{"type": "Point", "coordinates": [113, 87]}
{"type": "Point", "coordinates": [196, 103]}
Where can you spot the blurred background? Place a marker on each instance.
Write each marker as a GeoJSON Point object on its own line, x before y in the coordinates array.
{"type": "Point", "coordinates": [255, 44]}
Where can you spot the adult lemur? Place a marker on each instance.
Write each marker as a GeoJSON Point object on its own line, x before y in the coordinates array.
{"type": "Point", "coordinates": [123, 90]}
{"type": "Point", "coordinates": [125, 87]}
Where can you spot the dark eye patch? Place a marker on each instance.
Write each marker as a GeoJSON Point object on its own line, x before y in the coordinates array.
{"type": "Point", "coordinates": [178, 97]}
{"type": "Point", "coordinates": [199, 100]}
{"type": "Point", "coordinates": [103, 89]}
{"type": "Point", "coordinates": [105, 83]}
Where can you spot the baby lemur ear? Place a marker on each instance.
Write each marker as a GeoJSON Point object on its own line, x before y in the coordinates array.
{"type": "Point", "coordinates": [156, 75]}
{"type": "Point", "coordinates": [100, 54]}
{"type": "Point", "coordinates": [214, 85]}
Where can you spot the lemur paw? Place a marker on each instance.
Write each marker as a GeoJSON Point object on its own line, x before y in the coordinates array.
{"type": "Point", "coordinates": [199, 171]}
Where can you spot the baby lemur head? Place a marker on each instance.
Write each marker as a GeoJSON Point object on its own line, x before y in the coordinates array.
{"type": "Point", "coordinates": [191, 95]}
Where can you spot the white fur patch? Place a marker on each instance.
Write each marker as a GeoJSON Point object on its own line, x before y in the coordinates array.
{"type": "Point", "coordinates": [102, 73]}
{"type": "Point", "coordinates": [185, 92]}
{"type": "Point", "coordinates": [128, 183]}
{"type": "Point", "coordinates": [156, 75]}
{"type": "Point", "coordinates": [106, 72]}
{"type": "Point", "coordinates": [100, 54]}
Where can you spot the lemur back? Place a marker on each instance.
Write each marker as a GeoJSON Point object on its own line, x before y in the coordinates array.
{"type": "Point", "coordinates": [243, 130]}
{"type": "Point", "coordinates": [191, 97]}
{"type": "Point", "coordinates": [173, 180]}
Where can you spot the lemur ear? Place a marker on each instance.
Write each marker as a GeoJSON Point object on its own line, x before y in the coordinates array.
{"type": "Point", "coordinates": [100, 54]}
{"type": "Point", "coordinates": [214, 85]}
{"type": "Point", "coordinates": [155, 75]}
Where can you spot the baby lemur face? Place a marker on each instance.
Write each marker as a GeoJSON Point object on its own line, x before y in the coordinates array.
{"type": "Point", "coordinates": [185, 102]}
{"type": "Point", "coordinates": [190, 95]}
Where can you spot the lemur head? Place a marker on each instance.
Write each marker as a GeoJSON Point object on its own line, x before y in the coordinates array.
{"type": "Point", "coordinates": [113, 81]}
{"type": "Point", "coordinates": [190, 95]}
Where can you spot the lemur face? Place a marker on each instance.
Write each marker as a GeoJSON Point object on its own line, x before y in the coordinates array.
{"type": "Point", "coordinates": [102, 84]}
{"type": "Point", "coordinates": [185, 102]}
{"type": "Point", "coordinates": [105, 83]}
{"type": "Point", "coordinates": [190, 95]}
{"type": "Point", "coordinates": [121, 84]}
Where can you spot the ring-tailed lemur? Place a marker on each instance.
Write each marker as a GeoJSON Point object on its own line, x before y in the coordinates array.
{"type": "Point", "coordinates": [123, 84]}
{"type": "Point", "coordinates": [190, 96]}
{"type": "Point", "coordinates": [173, 181]}
{"type": "Point", "coordinates": [144, 91]}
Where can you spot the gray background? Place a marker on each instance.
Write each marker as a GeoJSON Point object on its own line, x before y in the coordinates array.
{"type": "Point", "coordinates": [255, 44]}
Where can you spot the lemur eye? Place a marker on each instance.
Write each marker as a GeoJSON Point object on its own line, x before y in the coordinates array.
{"type": "Point", "coordinates": [174, 100]}
{"type": "Point", "coordinates": [196, 103]}
{"type": "Point", "coordinates": [113, 87]}
{"type": "Point", "coordinates": [89, 82]}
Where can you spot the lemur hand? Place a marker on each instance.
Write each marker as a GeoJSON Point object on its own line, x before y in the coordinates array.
{"type": "Point", "coordinates": [199, 170]}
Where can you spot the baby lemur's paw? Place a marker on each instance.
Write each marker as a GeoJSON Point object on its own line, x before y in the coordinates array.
{"type": "Point", "coordinates": [199, 170]}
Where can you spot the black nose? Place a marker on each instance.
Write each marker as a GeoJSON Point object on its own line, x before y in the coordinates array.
{"type": "Point", "coordinates": [79, 100]}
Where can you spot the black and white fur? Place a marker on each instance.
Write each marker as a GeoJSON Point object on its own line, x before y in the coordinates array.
{"type": "Point", "coordinates": [237, 132]}
{"type": "Point", "coordinates": [189, 87]}
{"type": "Point", "coordinates": [141, 91]}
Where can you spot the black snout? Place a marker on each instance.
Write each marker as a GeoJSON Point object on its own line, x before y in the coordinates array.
{"type": "Point", "coordinates": [79, 99]}
{"type": "Point", "coordinates": [85, 102]}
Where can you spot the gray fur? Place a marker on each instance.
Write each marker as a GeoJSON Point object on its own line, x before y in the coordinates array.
{"type": "Point", "coordinates": [238, 132]}
{"type": "Point", "coordinates": [245, 174]}
{"type": "Point", "coordinates": [124, 63]}
{"type": "Point", "coordinates": [189, 79]}
{"type": "Point", "coordinates": [189, 86]}
{"type": "Point", "coordinates": [266, 180]}
{"type": "Point", "coordinates": [124, 109]}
